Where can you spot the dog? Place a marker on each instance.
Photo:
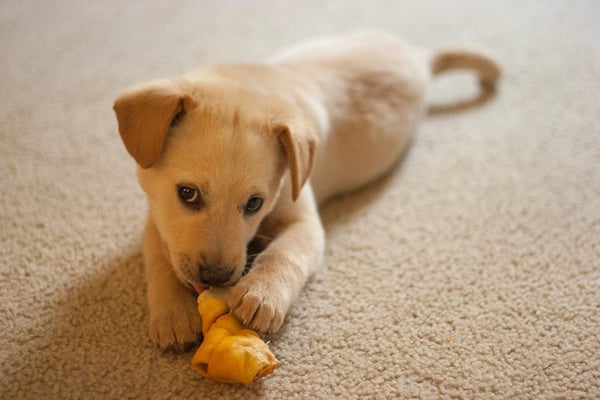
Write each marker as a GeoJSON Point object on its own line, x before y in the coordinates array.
{"type": "Point", "coordinates": [236, 159]}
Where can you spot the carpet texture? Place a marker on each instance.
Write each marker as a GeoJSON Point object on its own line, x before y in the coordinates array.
{"type": "Point", "coordinates": [471, 271]}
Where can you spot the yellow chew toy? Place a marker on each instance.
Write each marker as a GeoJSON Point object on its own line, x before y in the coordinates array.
{"type": "Point", "coordinates": [229, 352]}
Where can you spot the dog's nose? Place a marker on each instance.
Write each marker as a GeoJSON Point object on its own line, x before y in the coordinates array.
{"type": "Point", "coordinates": [213, 275]}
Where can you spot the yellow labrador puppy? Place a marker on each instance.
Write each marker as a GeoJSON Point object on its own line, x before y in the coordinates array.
{"type": "Point", "coordinates": [235, 158]}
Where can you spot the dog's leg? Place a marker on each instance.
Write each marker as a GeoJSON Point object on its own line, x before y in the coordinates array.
{"type": "Point", "coordinates": [262, 298]}
{"type": "Point", "coordinates": [174, 320]}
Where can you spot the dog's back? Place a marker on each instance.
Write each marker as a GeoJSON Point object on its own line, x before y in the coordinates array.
{"type": "Point", "coordinates": [373, 88]}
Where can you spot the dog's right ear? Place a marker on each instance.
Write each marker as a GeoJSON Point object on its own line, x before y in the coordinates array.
{"type": "Point", "coordinates": [145, 115]}
{"type": "Point", "coordinates": [299, 141]}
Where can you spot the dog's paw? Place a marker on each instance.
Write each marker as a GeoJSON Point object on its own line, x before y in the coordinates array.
{"type": "Point", "coordinates": [176, 325]}
{"type": "Point", "coordinates": [259, 305]}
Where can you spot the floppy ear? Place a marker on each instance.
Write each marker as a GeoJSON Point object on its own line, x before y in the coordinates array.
{"type": "Point", "coordinates": [145, 115]}
{"type": "Point", "coordinates": [300, 142]}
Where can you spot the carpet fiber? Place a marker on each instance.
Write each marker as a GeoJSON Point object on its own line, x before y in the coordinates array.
{"type": "Point", "coordinates": [471, 271]}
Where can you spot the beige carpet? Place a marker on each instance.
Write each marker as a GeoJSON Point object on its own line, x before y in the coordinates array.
{"type": "Point", "coordinates": [472, 271]}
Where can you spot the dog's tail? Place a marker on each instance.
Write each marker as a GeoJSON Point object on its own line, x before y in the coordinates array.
{"type": "Point", "coordinates": [484, 66]}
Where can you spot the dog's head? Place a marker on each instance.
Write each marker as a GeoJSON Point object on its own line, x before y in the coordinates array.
{"type": "Point", "coordinates": [212, 161]}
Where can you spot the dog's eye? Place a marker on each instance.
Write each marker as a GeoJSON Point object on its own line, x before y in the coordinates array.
{"type": "Point", "coordinates": [253, 205]}
{"type": "Point", "coordinates": [189, 195]}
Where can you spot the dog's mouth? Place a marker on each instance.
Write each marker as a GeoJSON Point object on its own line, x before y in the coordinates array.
{"type": "Point", "coordinates": [199, 288]}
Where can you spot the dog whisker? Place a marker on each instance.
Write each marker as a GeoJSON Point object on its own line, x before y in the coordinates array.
{"type": "Point", "coordinates": [264, 237]}
{"type": "Point", "coordinates": [247, 268]}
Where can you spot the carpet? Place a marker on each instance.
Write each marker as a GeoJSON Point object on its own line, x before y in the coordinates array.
{"type": "Point", "coordinates": [471, 271]}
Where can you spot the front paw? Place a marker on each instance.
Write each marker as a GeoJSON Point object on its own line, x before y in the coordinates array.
{"type": "Point", "coordinates": [259, 305]}
{"type": "Point", "coordinates": [176, 324]}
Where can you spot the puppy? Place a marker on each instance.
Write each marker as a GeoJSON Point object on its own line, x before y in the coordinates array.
{"type": "Point", "coordinates": [238, 157]}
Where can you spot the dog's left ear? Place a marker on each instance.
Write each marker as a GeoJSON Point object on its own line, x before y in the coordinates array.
{"type": "Point", "coordinates": [299, 140]}
{"type": "Point", "coordinates": [145, 115]}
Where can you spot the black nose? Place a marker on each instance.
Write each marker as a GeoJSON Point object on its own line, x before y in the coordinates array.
{"type": "Point", "coordinates": [213, 275]}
